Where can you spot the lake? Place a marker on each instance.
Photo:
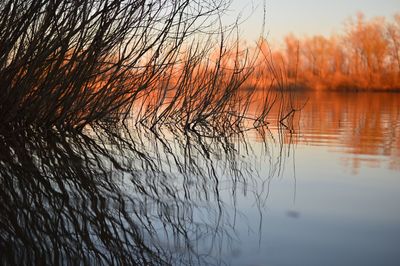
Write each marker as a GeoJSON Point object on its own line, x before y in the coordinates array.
{"type": "Point", "coordinates": [320, 188]}
{"type": "Point", "coordinates": [336, 201]}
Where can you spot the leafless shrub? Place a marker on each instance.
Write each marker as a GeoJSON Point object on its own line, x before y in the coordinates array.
{"type": "Point", "coordinates": [69, 63]}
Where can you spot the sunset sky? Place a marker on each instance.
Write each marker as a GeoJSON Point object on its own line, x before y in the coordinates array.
{"type": "Point", "coordinates": [307, 17]}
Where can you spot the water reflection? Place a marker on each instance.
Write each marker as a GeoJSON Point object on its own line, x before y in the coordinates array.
{"type": "Point", "coordinates": [363, 127]}
{"type": "Point", "coordinates": [130, 195]}
{"type": "Point", "coordinates": [123, 196]}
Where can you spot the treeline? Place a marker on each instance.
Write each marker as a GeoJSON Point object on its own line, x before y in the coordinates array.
{"type": "Point", "coordinates": [366, 55]}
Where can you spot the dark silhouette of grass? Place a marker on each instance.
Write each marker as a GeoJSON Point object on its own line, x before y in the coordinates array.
{"type": "Point", "coordinates": [68, 64]}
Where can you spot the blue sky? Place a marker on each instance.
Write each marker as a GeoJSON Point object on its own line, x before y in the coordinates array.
{"type": "Point", "coordinates": [307, 17]}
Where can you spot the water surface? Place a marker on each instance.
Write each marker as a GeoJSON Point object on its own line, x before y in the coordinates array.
{"type": "Point", "coordinates": [337, 200]}
{"type": "Point", "coordinates": [320, 188]}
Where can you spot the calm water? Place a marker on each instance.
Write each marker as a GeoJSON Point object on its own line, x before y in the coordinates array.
{"type": "Point", "coordinates": [337, 201]}
{"type": "Point", "coordinates": [323, 191]}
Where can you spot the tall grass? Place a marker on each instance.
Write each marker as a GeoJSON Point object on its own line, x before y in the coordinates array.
{"type": "Point", "coordinates": [68, 64]}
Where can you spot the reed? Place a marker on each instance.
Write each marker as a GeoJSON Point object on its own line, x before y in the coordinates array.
{"type": "Point", "coordinates": [69, 64]}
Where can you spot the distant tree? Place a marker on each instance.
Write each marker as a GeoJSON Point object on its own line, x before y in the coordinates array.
{"type": "Point", "coordinates": [368, 45]}
{"type": "Point", "coordinates": [393, 35]}
{"type": "Point", "coordinates": [292, 55]}
{"type": "Point", "coordinates": [316, 53]}
{"type": "Point", "coordinates": [365, 56]}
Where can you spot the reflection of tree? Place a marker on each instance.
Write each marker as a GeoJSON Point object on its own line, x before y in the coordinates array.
{"type": "Point", "coordinates": [364, 125]}
{"type": "Point", "coordinates": [132, 197]}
